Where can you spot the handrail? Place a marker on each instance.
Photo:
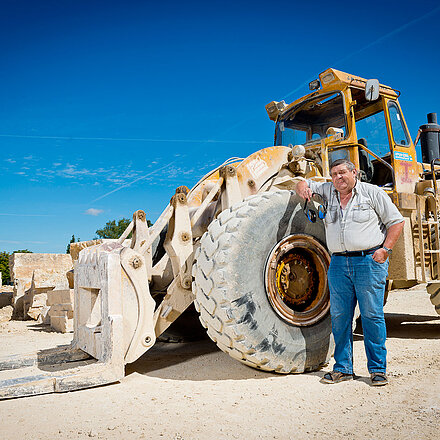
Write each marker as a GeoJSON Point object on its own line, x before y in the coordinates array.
{"type": "Point", "coordinates": [377, 157]}
{"type": "Point", "coordinates": [434, 179]}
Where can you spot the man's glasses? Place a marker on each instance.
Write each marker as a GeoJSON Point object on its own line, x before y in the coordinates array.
{"type": "Point", "coordinates": [322, 209]}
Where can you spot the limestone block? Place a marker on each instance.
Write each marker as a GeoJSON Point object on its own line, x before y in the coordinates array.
{"type": "Point", "coordinates": [40, 270]}
{"type": "Point", "coordinates": [60, 296]}
{"type": "Point", "coordinates": [70, 279]}
{"type": "Point", "coordinates": [61, 324]}
{"type": "Point", "coordinates": [6, 313]}
{"type": "Point", "coordinates": [35, 298]}
{"type": "Point", "coordinates": [33, 309]}
{"type": "Point", "coordinates": [61, 310]}
{"type": "Point", "coordinates": [44, 315]}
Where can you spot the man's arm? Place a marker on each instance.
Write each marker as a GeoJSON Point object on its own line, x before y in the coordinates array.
{"type": "Point", "coordinates": [303, 190]}
{"type": "Point", "coordinates": [393, 233]}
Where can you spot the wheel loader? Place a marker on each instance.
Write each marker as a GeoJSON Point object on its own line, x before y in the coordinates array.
{"type": "Point", "coordinates": [240, 246]}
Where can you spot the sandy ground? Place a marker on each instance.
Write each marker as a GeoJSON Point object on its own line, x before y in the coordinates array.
{"type": "Point", "coordinates": [194, 391]}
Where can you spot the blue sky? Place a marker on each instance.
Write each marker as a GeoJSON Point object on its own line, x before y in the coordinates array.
{"type": "Point", "coordinates": [107, 107]}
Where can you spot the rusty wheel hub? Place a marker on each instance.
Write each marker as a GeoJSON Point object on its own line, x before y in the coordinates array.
{"type": "Point", "coordinates": [296, 280]}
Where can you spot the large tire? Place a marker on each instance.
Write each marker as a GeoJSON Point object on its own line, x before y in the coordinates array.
{"type": "Point", "coordinates": [434, 291]}
{"type": "Point", "coordinates": [230, 286]}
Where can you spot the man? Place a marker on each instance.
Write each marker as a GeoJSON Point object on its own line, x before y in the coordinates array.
{"type": "Point", "coordinates": [362, 225]}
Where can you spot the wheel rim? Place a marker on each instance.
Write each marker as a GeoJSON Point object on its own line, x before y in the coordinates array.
{"type": "Point", "coordinates": [296, 280]}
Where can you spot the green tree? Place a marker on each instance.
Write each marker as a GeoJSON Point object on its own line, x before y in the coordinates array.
{"type": "Point", "coordinates": [4, 263]}
{"type": "Point", "coordinates": [72, 240]}
{"type": "Point", "coordinates": [115, 230]}
{"type": "Point", "coordinates": [4, 267]}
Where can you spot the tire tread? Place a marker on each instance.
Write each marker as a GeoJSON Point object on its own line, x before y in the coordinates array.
{"type": "Point", "coordinates": [210, 288]}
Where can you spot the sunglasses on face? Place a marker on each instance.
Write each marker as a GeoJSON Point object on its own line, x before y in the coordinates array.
{"type": "Point", "coordinates": [311, 214]}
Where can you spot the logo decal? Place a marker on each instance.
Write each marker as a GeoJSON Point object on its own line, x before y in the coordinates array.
{"type": "Point", "coordinates": [402, 156]}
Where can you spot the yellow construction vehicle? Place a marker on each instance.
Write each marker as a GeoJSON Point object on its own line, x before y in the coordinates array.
{"type": "Point", "coordinates": [239, 246]}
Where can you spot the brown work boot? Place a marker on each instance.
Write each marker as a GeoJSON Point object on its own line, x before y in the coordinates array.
{"type": "Point", "coordinates": [336, 377]}
{"type": "Point", "coordinates": [378, 379]}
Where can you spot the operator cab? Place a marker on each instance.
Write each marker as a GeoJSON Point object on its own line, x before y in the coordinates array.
{"type": "Point", "coordinates": [349, 117]}
{"type": "Point", "coordinates": [372, 133]}
{"type": "Point", "coordinates": [346, 116]}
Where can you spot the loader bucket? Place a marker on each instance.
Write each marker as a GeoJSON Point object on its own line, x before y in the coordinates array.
{"type": "Point", "coordinates": [113, 326]}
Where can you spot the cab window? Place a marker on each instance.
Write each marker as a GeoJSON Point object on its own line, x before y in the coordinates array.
{"type": "Point", "coordinates": [400, 134]}
{"type": "Point", "coordinates": [374, 130]}
{"type": "Point", "coordinates": [372, 133]}
{"type": "Point", "coordinates": [307, 122]}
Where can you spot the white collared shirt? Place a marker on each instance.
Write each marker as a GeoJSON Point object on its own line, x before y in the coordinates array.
{"type": "Point", "coordinates": [367, 216]}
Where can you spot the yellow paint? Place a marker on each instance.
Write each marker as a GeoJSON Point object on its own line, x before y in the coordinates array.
{"type": "Point", "coordinates": [259, 167]}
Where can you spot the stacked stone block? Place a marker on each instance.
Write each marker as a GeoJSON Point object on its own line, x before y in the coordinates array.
{"type": "Point", "coordinates": [60, 314]}
{"type": "Point", "coordinates": [34, 275]}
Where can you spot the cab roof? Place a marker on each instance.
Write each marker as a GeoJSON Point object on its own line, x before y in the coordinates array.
{"type": "Point", "coordinates": [332, 80]}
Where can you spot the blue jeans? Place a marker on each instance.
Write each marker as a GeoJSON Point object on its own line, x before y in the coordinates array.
{"type": "Point", "coordinates": [363, 280]}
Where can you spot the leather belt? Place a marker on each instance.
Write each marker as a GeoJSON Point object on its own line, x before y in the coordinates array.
{"type": "Point", "coordinates": [357, 253]}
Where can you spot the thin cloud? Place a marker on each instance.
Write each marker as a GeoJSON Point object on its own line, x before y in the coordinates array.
{"type": "Point", "coordinates": [26, 215]}
{"type": "Point", "coordinates": [134, 181]}
{"type": "Point", "coordinates": [94, 211]}
{"type": "Point", "coordinates": [71, 171]}
{"type": "Point", "coordinates": [23, 242]}
{"type": "Point", "coordinates": [75, 138]}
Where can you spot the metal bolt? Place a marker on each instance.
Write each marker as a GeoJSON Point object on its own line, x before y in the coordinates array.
{"type": "Point", "coordinates": [181, 198]}
{"type": "Point", "coordinates": [230, 170]}
{"type": "Point", "coordinates": [147, 340]}
{"type": "Point", "coordinates": [251, 183]}
{"type": "Point", "coordinates": [185, 236]}
{"type": "Point", "coordinates": [187, 282]}
{"type": "Point", "coordinates": [136, 262]}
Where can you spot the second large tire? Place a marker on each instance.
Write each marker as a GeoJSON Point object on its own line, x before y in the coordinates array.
{"type": "Point", "coordinates": [230, 278]}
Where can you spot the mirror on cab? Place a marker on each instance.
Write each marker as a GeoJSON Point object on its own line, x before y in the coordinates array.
{"type": "Point", "coordinates": [372, 90]}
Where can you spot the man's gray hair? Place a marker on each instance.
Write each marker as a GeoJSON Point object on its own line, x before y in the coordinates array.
{"type": "Point", "coordinates": [350, 165]}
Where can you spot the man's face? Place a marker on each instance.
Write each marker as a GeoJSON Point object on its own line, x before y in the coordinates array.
{"type": "Point", "coordinates": [343, 179]}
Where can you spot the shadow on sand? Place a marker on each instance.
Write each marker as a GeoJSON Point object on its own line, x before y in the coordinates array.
{"type": "Point", "coordinates": [181, 361]}
{"type": "Point", "coordinates": [193, 361]}
{"type": "Point", "coordinates": [407, 326]}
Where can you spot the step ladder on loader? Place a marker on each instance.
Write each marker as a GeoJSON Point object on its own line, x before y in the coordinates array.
{"type": "Point", "coordinates": [429, 224]}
